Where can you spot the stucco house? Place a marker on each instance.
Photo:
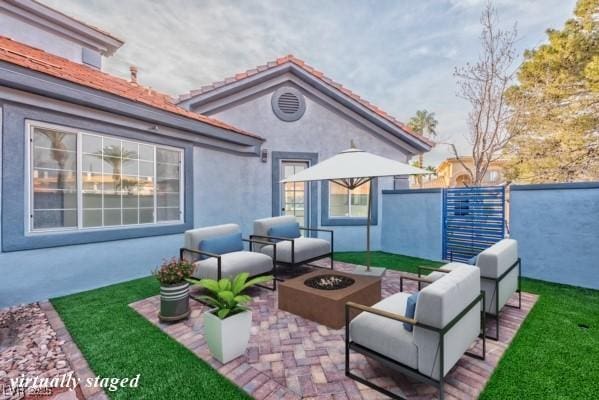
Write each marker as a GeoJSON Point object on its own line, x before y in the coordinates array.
{"type": "Point", "coordinates": [101, 175]}
{"type": "Point", "coordinates": [451, 173]}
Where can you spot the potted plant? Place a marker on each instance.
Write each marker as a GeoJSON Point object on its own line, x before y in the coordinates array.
{"type": "Point", "coordinates": [174, 289]}
{"type": "Point", "coordinates": [227, 325]}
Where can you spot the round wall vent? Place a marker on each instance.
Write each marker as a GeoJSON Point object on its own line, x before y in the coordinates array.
{"type": "Point", "coordinates": [288, 104]}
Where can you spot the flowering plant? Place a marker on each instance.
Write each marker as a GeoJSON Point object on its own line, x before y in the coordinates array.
{"type": "Point", "coordinates": [173, 271]}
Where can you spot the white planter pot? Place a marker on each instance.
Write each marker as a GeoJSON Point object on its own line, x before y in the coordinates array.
{"type": "Point", "coordinates": [227, 338]}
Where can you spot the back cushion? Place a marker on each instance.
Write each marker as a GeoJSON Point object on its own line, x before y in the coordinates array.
{"type": "Point", "coordinates": [285, 230]}
{"type": "Point", "coordinates": [222, 244]}
{"type": "Point", "coordinates": [262, 226]}
{"type": "Point", "coordinates": [194, 236]}
{"type": "Point", "coordinates": [438, 304]}
{"type": "Point", "coordinates": [497, 259]}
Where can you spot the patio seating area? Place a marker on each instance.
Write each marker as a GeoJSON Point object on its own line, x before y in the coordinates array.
{"type": "Point", "coordinates": [292, 357]}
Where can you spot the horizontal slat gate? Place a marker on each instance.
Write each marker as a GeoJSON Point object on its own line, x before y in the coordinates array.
{"type": "Point", "coordinates": [473, 219]}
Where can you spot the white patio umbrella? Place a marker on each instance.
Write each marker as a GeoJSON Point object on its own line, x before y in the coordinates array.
{"type": "Point", "coordinates": [352, 168]}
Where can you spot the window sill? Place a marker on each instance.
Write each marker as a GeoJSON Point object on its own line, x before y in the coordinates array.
{"type": "Point", "coordinates": [347, 221]}
{"type": "Point", "coordinates": [40, 240]}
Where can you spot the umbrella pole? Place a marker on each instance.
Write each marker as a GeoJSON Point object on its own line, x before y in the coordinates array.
{"type": "Point", "coordinates": [368, 226]}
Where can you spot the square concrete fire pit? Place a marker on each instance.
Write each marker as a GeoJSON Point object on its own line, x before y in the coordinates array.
{"type": "Point", "coordinates": [326, 305]}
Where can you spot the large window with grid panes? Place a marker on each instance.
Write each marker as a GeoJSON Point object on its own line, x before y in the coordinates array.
{"type": "Point", "coordinates": [87, 180]}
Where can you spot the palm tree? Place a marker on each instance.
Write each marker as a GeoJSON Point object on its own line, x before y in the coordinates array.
{"type": "Point", "coordinates": [424, 123]}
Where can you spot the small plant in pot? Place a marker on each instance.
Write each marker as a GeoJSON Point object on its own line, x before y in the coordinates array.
{"type": "Point", "coordinates": [174, 289]}
{"type": "Point", "coordinates": [227, 326]}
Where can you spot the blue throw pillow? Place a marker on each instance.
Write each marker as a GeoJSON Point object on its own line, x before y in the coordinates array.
{"type": "Point", "coordinates": [221, 244]}
{"type": "Point", "coordinates": [290, 230]}
{"type": "Point", "coordinates": [411, 310]}
{"type": "Point", "coordinates": [472, 261]}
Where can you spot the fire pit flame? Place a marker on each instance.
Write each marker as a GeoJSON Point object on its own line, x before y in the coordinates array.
{"type": "Point", "coordinates": [329, 282]}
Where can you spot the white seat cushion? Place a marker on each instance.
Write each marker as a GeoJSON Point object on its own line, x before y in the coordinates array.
{"type": "Point", "coordinates": [385, 335]}
{"type": "Point", "coordinates": [233, 264]}
{"type": "Point", "coordinates": [305, 249]}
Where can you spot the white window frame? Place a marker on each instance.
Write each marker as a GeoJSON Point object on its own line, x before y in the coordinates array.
{"type": "Point", "coordinates": [348, 202]}
{"type": "Point", "coordinates": [30, 125]}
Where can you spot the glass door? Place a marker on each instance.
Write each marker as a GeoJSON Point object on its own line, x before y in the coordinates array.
{"type": "Point", "coordinates": [294, 196]}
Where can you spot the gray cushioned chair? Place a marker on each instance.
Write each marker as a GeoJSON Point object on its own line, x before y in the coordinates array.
{"type": "Point", "coordinates": [500, 273]}
{"type": "Point", "coordinates": [292, 251]}
{"type": "Point", "coordinates": [227, 265]}
{"type": "Point", "coordinates": [447, 320]}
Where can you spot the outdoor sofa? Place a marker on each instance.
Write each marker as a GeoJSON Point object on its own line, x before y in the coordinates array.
{"type": "Point", "coordinates": [291, 248]}
{"type": "Point", "coordinates": [500, 274]}
{"type": "Point", "coordinates": [218, 252]}
{"type": "Point", "coordinates": [425, 345]}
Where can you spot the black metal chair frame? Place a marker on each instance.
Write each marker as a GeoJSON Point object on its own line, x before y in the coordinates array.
{"type": "Point", "coordinates": [400, 367]}
{"type": "Point", "coordinates": [496, 281]}
{"type": "Point", "coordinates": [218, 257]}
{"type": "Point", "coordinates": [274, 239]}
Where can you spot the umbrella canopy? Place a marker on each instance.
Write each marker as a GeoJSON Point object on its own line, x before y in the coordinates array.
{"type": "Point", "coordinates": [353, 167]}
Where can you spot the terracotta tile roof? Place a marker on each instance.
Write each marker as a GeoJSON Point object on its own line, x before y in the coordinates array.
{"type": "Point", "coordinates": [38, 60]}
{"type": "Point", "coordinates": [314, 72]}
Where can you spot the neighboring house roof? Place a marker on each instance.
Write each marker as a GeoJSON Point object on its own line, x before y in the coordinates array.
{"type": "Point", "coordinates": [38, 60]}
{"type": "Point", "coordinates": [290, 59]}
{"type": "Point", "coordinates": [40, 14]}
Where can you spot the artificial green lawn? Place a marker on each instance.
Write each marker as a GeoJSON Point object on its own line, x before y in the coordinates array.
{"type": "Point", "coordinates": [118, 342]}
{"type": "Point", "coordinates": [550, 358]}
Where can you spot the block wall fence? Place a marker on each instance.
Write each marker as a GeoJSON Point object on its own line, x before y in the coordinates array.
{"type": "Point", "coordinates": [556, 225]}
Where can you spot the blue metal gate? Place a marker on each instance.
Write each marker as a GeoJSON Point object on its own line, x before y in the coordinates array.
{"type": "Point", "coordinates": [473, 219]}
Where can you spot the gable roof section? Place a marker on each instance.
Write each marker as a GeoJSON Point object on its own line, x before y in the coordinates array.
{"type": "Point", "coordinates": [38, 60]}
{"type": "Point", "coordinates": [300, 64]}
{"type": "Point", "coordinates": [40, 14]}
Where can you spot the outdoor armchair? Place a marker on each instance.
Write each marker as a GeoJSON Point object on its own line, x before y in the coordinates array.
{"type": "Point", "coordinates": [225, 264]}
{"type": "Point", "coordinates": [500, 274]}
{"type": "Point", "coordinates": [446, 321]}
{"type": "Point", "coordinates": [291, 250]}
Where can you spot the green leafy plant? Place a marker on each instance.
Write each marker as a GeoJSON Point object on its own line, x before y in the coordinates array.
{"type": "Point", "coordinates": [227, 296]}
{"type": "Point", "coordinates": [173, 271]}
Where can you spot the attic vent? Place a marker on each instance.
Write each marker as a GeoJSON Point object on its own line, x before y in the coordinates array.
{"type": "Point", "coordinates": [288, 104]}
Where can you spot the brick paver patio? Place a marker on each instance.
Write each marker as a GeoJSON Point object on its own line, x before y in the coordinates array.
{"type": "Point", "coordinates": [289, 357]}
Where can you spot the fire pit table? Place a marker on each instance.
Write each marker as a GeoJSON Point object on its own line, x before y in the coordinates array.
{"type": "Point", "coordinates": [320, 296]}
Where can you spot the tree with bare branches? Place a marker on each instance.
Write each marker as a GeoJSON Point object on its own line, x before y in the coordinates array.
{"type": "Point", "coordinates": [483, 84]}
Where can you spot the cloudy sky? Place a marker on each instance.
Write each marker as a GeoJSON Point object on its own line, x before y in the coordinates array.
{"type": "Point", "coordinates": [399, 54]}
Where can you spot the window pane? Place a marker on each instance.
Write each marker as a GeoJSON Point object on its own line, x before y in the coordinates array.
{"type": "Point", "coordinates": [359, 201]}
{"type": "Point", "coordinates": [92, 144]}
{"type": "Point", "coordinates": [92, 218]}
{"type": "Point", "coordinates": [338, 200]}
{"type": "Point", "coordinates": [130, 167]}
{"type": "Point", "coordinates": [146, 215]}
{"type": "Point", "coordinates": [112, 217]}
{"type": "Point", "coordinates": [91, 163]}
{"type": "Point", "coordinates": [54, 200]}
{"type": "Point", "coordinates": [130, 216]}
{"type": "Point", "coordinates": [54, 180]}
{"type": "Point", "coordinates": [55, 159]}
{"type": "Point", "coordinates": [168, 199]}
{"type": "Point", "coordinates": [146, 152]}
{"type": "Point", "coordinates": [51, 179]}
{"type": "Point", "coordinates": [168, 214]}
{"type": "Point", "coordinates": [130, 150]}
{"type": "Point", "coordinates": [167, 184]}
{"type": "Point", "coordinates": [92, 199]}
{"type": "Point", "coordinates": [48, 219]}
